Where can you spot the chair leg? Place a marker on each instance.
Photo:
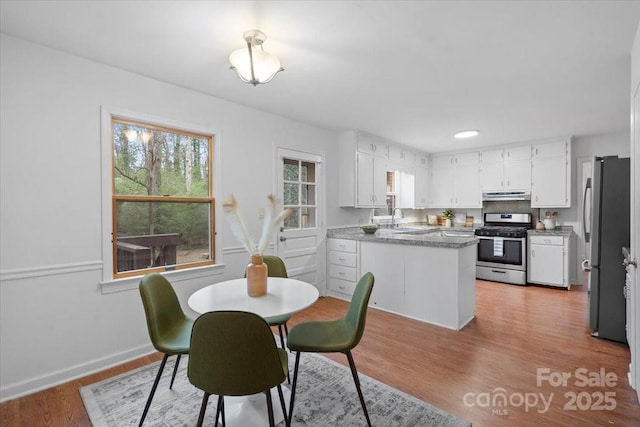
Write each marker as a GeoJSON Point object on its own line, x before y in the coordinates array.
{"type": "Point", "coordinates": [272, 422]}
{"type": "Point", "coordinates": [220, 410]}
{"type": "Point", "coordinates": [203, 408]}
{"type": "Point", "coordinates": [281, 337]}
{"type": "Point", "coordinates": [284, 408]}
{"type": "Point", "coordinates": [286, 330]}
{"type": "Point", "coordinates": [153, 389]}
{"type": "Point", "coordinates": [354, 372]}
{"type": "Point", "coordinates": [175, 369]}
{"type": "Point", "coordinates": [293, 387]}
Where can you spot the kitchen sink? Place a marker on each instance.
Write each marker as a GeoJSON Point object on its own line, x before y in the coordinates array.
{"type": "Point", "coordinates": [411, 230]}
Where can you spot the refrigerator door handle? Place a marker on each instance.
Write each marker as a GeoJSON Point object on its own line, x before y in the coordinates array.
{"type": "Point", "coordinates": [587, 235]}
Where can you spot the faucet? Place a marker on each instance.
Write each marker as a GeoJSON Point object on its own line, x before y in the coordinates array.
{"type": "Point", "coordinates": [393, 217]}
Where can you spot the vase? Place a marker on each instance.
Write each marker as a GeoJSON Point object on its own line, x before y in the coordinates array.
{"type": "Point", "coordinates": [257, 273]}
{"type": "Point", "coordinates": [447, 222]}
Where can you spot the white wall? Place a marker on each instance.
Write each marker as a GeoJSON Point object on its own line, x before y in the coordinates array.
{"type": "Point", "coordinates": [54, 321]}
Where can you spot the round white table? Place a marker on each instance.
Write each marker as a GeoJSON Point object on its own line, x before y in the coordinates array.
{"type": "Point", "coordinates": [284, 296]}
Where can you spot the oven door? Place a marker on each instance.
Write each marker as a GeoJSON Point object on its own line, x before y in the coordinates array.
{"type": "Point", "coordinates": [510, 254]}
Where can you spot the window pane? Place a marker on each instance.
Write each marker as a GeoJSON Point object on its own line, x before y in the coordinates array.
{"type": "Point", "coordinates": [152, 234]}
{"type": "Point", "coordinates": [291, 194]}
{"type": "Point", "coordinates": [308, 194]}
{"type": "Point", "coordinates": [150, 161]}
{"type": "Point", "coordinates": [293, 221]}
{"type": "Point", "coordinates": [308, 172]}
{"type": "Point", "coordinates": [290, 170]}
{"type": "Point", "coordinates": [307, 217]}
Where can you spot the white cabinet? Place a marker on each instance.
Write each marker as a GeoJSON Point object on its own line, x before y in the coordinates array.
{"type": "Point", "coordinates": [442, 182]}
{"type": "Point", "coordinates": [343, 267]}
{"type": "Point", "coordinates": [371, 182]}
{"type": "Point", "coordinates": [548, 260]}
{"type": "Point", "coordinates": [506, 169]}
{"type": "Point", "coordinates": [551, 175]}
{"type": "Point", "coordinates": [421, 198]}
{"type": "Point", "coordinates": [386, 262]}
{"type": "Point", "coordinates": [363, 165]}
{"type": "Point", "coordinates": [455, 181]}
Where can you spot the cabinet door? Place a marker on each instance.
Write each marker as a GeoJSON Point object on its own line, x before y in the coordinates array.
{"type": "Point", "coordinates": [364, 180]}
{"type": "Point", "coordinates": [550, 184]}
{"type": "Point", "coordinates": [517, 168]}
{"type": "Point", "coordinates": [491, 170]}
{"type": "Point", "coordinates": [369, 144]}
{"type": "Point", "coordinates": [379, 182]}
{"type": "Point", "coordinates": [401, 155]}
{"type": "Point", "coordinates": [422, 187]}
{"type": "Point", "coordinates": [441, 190]}
{"type": "Point", "coordinates": [386, 262]}
{"type": "Point", "coordinates": [466, 188]}
{"type": "Point", "coordinates": [546, 264]}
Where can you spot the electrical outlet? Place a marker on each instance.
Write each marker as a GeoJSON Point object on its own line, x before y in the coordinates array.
{"type": "Point", "coordinates": [261, 213]}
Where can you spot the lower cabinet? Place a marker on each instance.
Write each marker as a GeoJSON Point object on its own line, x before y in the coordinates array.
{"type": "Point", "coordinates": [386, 262]}
{"type": "Point", "coordinates": [548, 262]}
{"type": "Point", "coordinates": [343, 267]}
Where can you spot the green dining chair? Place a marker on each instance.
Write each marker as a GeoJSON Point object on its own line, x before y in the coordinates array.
{"type": "Point", "coordinates": [276, 268]}
{"type": "Point", "coordinates": [169, 328]}
{"type": "Point", "coordinates": [334, 336]}
{"type": "Point", "coordinates": [233, 353]}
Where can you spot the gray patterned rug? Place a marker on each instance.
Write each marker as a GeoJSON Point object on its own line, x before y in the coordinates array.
{"type": "Point", "coordinates": [325, 396]}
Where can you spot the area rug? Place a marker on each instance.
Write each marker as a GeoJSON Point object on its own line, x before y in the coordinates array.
{"type": "Point", "coordinates": [325, 396]}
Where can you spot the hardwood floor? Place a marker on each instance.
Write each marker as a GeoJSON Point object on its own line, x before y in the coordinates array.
{"type": "Point", "coordinates": [517, 331]}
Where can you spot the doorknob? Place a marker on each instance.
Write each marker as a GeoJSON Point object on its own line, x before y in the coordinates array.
{"type": "Point", "coordinates": [282, 238]}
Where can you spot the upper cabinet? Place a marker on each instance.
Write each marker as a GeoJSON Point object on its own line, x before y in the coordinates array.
{"type": "Point", "coordinates": [363, 166]}
{"type": "Point", "coordinates": [421, 198]}
{"type": "Point", "coordinates": [454, 181]}
{"type": "Point", "coordinates": [506, 169]}
{"type": "Point", "coordinates": [551, 174]}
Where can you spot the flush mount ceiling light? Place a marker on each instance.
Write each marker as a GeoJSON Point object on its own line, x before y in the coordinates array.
{"type": "Point", "coordinates": [252, 63]}
{"type": "Point", "coordinates": [466, 134]}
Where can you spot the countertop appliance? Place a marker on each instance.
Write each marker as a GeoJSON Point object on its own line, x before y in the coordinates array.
{"type": "Point", "coordinates": [502, 250]}
{"type": "Point", "coordinates": [608, 234]}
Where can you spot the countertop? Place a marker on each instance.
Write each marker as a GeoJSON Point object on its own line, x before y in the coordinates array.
{"type": "Point", "coordinates": [561, 230]}
{"type": "Point", "coordinates": [432, 236]}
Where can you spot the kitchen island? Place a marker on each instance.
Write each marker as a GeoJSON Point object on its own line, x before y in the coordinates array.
{"type": "Point", "coordinates": [425, 273]}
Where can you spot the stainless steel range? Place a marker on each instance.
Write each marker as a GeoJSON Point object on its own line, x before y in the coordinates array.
{"type": "Point", "coordinates": [502, 250]}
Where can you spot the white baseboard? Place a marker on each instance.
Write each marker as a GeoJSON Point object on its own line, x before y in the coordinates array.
{"type": "Point", "coordinates": [32, 385]}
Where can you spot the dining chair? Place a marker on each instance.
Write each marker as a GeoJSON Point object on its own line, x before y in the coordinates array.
{"type": "Point", "coordinates": [233, 353]}
{"type": "Point", "coordinates": [334, 336]}
{"type": "Point", "coordinates": [276, 268]}
{"type": "Point", "coordinates": [169, 328]}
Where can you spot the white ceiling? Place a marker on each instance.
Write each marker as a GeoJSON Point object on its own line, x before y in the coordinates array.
{"type": "Point", "coordinates": [414, 72]}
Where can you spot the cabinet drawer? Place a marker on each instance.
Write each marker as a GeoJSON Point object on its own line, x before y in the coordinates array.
{"type": "Point", "coordinates": [341, 272]}
{"type": "Point", "coordinates": [546, 240]}
{"type": "Point", "coordinates": [342, 286]}
{"type": "Point", "coordinates": [343, 245]}
{"type": "Point", "coordinates": [342, 258]}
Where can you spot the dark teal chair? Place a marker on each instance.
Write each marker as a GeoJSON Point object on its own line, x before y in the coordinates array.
{"type": "Point", "coordinates": [334, 336]}
{"type": "Point", "coordinates": [233, 353]}
{"type": "Point", "coordinates": [169, 328]}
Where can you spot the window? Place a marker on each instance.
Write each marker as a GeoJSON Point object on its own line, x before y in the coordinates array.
{"type": "Point", "coordinates": [299, 182]}
{"type": "Point", "coordinates": [162, 198]}
{"type": "Point", "coordinates": [392, 194]}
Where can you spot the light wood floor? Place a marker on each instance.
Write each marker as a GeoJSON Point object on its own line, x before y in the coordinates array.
{"type": "Point", "coordinates": [517, 330]}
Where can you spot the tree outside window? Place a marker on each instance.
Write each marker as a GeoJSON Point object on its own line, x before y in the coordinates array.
{"type": "Point", "coordinates": [163, 205]}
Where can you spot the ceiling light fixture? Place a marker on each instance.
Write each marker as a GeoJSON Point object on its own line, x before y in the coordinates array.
{"type": "Point", "coordinates": [466, 134]}
{"type": "Point", "coordinates": [252, 63]}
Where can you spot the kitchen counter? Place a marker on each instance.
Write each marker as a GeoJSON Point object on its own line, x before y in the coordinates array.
{"type": "Point", "coordinates": [433, 236]}
{"type": "Point", "coordinates": [422, 272]}
{"type": "Point", "coordinates": [562, 230]}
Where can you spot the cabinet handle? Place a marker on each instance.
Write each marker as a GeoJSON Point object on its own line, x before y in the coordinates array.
{"type": "Point", "coordinates": [533, 253]}
{"type": "Point", "coordinates": [341, 273]}
{"type": "Point", "coordinates": [341, 259]}
{"type": "Point", "coordinates": [507, 183]}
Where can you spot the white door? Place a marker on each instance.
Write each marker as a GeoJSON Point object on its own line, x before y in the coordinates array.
{"type": "Point", "coordinates": [300, 240]}
{"type": "Point", "coordinates": [633, 331]}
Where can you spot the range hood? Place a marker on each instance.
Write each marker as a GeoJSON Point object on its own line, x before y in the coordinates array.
{"type": "Point", "coordinates": [500, 196]}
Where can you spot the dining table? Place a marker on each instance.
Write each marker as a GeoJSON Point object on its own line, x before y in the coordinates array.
{"type": "Point", "coordinates": [284, 296]}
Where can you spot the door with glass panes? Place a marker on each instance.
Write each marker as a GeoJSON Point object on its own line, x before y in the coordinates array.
{"type": "Point", "coordinates": [299, 238]}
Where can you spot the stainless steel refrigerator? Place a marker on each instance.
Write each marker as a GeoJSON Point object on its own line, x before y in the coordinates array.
{"type": "Point", "coordinates": [610, 187]}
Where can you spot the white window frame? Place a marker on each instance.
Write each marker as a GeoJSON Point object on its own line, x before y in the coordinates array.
{"type": "Point", "coordinates": [108, 283]}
